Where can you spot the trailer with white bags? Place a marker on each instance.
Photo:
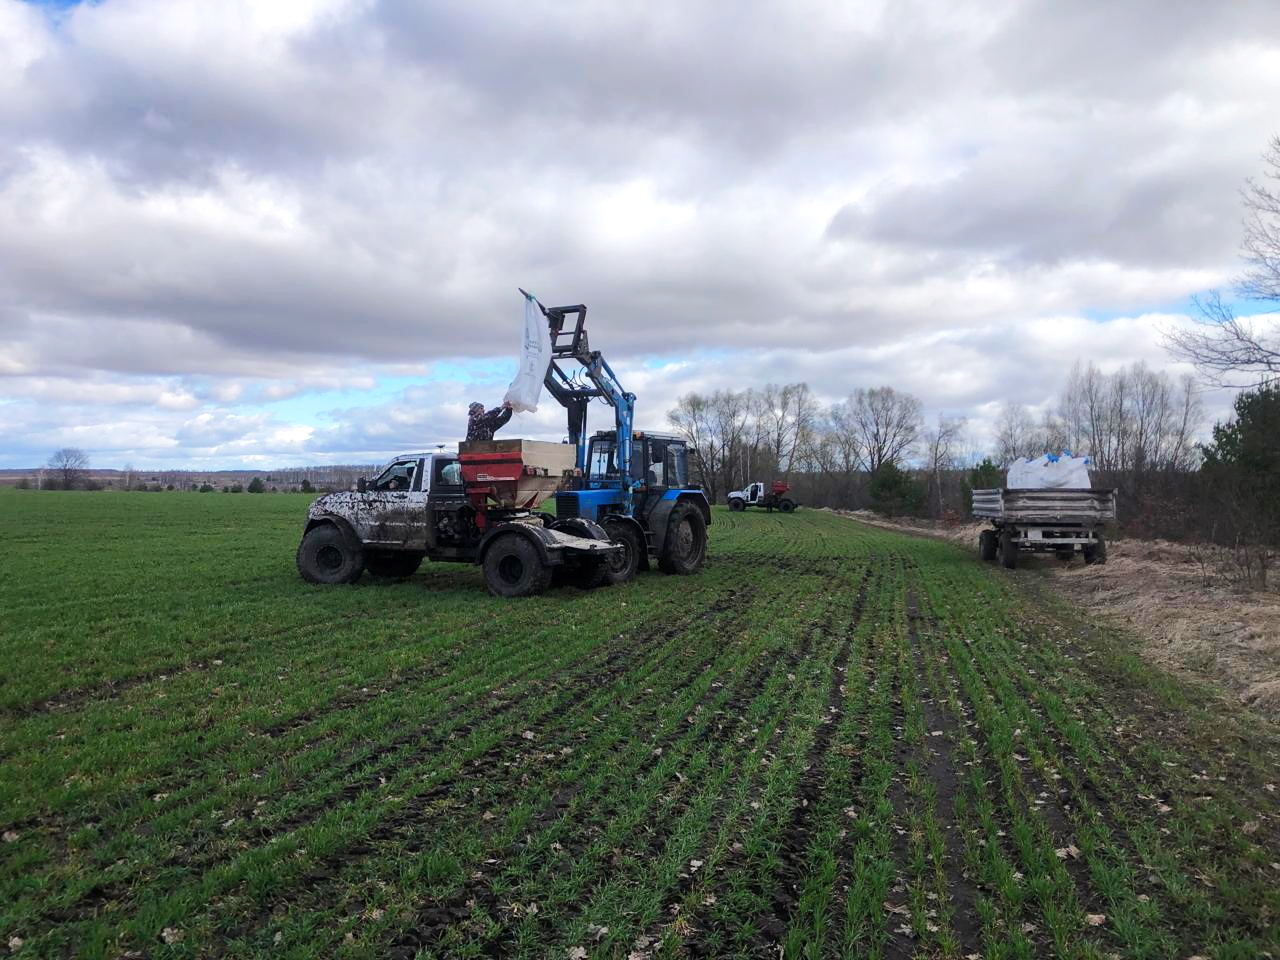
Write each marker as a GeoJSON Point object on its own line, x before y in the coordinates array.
{"type": "Point", "coordinates": [1049, 506]}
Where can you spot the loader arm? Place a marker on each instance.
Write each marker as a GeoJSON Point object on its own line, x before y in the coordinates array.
{"type": "Point", "coordinates": [569, 345]}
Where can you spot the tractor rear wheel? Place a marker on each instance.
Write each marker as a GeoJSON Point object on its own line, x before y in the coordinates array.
{"type": "Point", "coordinates": [514, 568]}
{"type": "Point", "coordinates": [685, 548]}
{"type": "Point", "coordinates": [737, 503]}
{"type": "Point", "coordinates": [326, 555]}
{"type": "Point", "coordinates": [393, 564]}
{"type": "Point", "coordinates": [623, 564]}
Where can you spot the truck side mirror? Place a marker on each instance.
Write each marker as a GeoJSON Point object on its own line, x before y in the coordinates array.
{"type": "Point", "coordinates": [361, 484]}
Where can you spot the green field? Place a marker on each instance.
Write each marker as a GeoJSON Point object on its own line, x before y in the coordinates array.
{"type": "Point", "coordinates": [834, 741]}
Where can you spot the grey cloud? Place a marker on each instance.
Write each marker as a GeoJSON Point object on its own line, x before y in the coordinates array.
{"type": "Point", "coordinates": [182, 196]}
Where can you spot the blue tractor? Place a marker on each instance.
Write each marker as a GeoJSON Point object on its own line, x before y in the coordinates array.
{"type": "Point", "coordinates": [634, 484]}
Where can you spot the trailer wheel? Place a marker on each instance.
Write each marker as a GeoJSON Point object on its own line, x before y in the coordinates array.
{"type": "Point", "coordinates": [737, 503]}
{"type": "Point", "coordinates": [685, 547]}
{"type": "Point", "coordinates": [624, 563]}
{"type": "Point", "coordinates": [1008, 549]}
{"type": "Point", "coordinates": [514, 568]}
{"type": "Point", "coordinates": [1098, 552]}
{"type": "Point", "coordinates": [786, 506]}
{"type": "Point", "coordinates": [393, 564]}
{"type": "Point", "coordinates": [987, 546]}
{"type": "Point", "coordinates": [326, 556]}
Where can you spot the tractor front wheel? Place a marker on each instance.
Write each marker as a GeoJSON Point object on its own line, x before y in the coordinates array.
{"type": "Point", "coordinates": [623, 564]}
{"type": "Point", "coordinates": [685, 548]}
{"type": "Point", "coordinates": [586, 572]}
{"type": "Point", "coordinates": [514, 568]}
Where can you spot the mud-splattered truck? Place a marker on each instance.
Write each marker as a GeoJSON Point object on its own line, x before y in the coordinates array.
{"type": "Point", "coordinates": [477, 506]}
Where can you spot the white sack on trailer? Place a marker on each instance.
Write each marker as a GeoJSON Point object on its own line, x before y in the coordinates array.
{"type": "Point", "coordinates": [1050, 472]}
{"type": "Point", "coordinates": [535, 356]}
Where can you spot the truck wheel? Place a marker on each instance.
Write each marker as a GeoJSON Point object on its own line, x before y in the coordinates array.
{"type": "Point", "coordinates": [987, 546]}
{"type": "Point", "coordinates": [326, 556]}
{"type": "Point", "coordinates": [685, 548]}
{"type": "Point", "coordinates": [1008, 549]}
{"type": "Point", "coordinates": [1098, 552]}
{"type": "Point", "coordinates": [623, 564]}
{"type": "Point", "coordinates": [393, 564]}
{"type": "Point", "coordinates": [737, 503]}
{"type": "Point", "coordinates": [513, 567]}
{"type": "Point", "coordinates": [786, 506]}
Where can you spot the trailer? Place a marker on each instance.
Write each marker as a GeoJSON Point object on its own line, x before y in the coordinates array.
{"type": "Point", "coordinates": [1061, 521]}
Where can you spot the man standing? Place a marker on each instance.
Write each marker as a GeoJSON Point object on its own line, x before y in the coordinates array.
{"type": "Point", "coordinates": [482, 425]}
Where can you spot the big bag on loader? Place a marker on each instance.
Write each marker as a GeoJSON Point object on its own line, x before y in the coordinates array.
{"type": "Point", "coordinates": [535, 355]}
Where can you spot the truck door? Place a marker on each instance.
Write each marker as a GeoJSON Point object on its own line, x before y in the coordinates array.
{"type": "Point", "coordinates": [394, 506]}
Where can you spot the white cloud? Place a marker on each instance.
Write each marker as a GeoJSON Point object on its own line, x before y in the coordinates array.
{"type": "Point", "coordinates": [208, 209]}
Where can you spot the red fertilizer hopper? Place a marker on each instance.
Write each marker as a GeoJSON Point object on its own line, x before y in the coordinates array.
{"type": "Point", "coordinates": [515, 474]}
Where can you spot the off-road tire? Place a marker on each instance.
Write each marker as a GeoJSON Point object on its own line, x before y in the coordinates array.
{"type": "Point", "coordinates": [684, 549]}
{"type": "Point", "coordinates": [622, 566]}
{"type": "Point", "coordinates": [326, 555]}
{"type": "Point", "coordinates": [987, 546]}
{"type": "Point", "coordinates": [393, 564]}
{"type": "Point", "coordinates": [1008, 549]}
{"type": "Point", "coordinates": [1098, 552]}
{"type": "Point", "coordinates": [586, 573]}
{"type": "Point", "coordinates": [514, 568]}
{"type": "Point", "coordinates": [737, 504]}
{"type": "Point", "coordinates": [786, 506]}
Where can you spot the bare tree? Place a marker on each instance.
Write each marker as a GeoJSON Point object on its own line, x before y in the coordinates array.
{"type": "Point", "coordinates": [1229, 350]}
{"type": "Point", "coordinates": [942, 444]}
{"type": "Point", "coordinates": [71, 463]}
{"type": "Point", "coordinates": [785, 417]}
{"type": "Point", "coordinates": [692, 421]}
{"type": "Point", "coordinates": [884, 425]}
{"type": "Point", "coordinates": [1134, 421]}
{"type": "Point", "coordinates": [1016, 434]}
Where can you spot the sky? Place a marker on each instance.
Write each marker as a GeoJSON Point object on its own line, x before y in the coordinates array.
{"type": "Point", "coordinates": [245, 234]}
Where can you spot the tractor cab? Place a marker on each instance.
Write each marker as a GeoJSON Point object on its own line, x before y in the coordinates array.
{"type": "Point", "coordinates": [658, 462]}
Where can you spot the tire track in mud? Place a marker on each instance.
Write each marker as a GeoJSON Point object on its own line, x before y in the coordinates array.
{"type": "Point", "coordinates": [788, 877]}
{"type": "Point", "coordinates": [549, 773]}
{"type": "Point", "coordinates": [610, 660]}
{"type": "Point", "coordinates": [737, 695]}
{"type": "Point", "coordinates": [942, 769]}
{"type": "Point", "coordinates": [1039, 803]}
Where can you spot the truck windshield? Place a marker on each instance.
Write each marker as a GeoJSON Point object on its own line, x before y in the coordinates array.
{"type": "Point", "coordinates": [602, 465]}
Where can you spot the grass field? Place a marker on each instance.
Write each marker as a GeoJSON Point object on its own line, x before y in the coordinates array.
{"type": "Point", "coordinates": [835, 740]}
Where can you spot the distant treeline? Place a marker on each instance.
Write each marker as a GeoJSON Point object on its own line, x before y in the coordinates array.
{"type": "Point", "coordinates": [876, 449]}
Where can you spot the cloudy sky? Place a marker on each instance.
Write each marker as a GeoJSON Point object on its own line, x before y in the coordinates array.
{"type": "Point", "coordinates": [247, 233]}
